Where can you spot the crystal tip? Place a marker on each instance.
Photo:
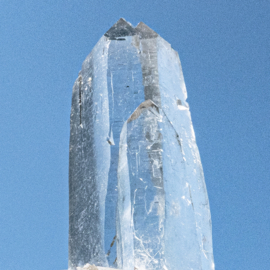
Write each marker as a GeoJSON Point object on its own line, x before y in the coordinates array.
{"type": "Point", "coordinates": [122, 28]}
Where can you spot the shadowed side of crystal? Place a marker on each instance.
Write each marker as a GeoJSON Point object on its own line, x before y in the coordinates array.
{"type": "Point", "coordinates": [89, 162]}
{"type": "Point", "coordinates": [147, 46]}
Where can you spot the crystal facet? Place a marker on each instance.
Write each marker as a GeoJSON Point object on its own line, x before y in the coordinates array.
{"type": "Point", "coordinates": [137, 193]}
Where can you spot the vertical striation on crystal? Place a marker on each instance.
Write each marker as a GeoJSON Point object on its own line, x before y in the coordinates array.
{"type": "Point", "coordinates": [89, 160]}
{"type": "Point", "coordinates": [137, 193]}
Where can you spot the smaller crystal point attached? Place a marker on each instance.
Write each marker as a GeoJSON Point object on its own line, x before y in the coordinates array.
{"type": "Point", "coordinates": [144, 105]}
{"type": "Point", "coordinates": [145, 32]}
{"type": "Point", "coordinates": [122, 28]}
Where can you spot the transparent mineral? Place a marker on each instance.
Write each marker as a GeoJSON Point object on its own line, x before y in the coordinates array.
{"type": "Point", "coordinates": [137, 193]}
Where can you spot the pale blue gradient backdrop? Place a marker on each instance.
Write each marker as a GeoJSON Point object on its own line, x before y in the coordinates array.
{"type": "Point", "coordinates": [224, 47]}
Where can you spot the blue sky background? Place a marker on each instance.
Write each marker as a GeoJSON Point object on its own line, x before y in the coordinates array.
{"type": "Point", "coordinates": [224, 47]}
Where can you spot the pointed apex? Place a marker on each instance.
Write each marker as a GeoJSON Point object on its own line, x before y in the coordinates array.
{"type": "Point", "coordinates": [148, 104]}
{"type": "Point", "coordinates": [122, 28]}
{"type": "Point", "coordinates": [144, 31]}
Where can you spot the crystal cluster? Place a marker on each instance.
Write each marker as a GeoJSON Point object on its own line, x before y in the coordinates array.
{"type": "Point", "coordinates": [137, 193]}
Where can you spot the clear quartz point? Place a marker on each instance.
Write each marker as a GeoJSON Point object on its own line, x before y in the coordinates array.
{"type": "Point", "coordinates": [137, 194]}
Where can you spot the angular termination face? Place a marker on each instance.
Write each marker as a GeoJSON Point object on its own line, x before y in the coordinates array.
{"type": "Point", "coordinates": [137, 193]}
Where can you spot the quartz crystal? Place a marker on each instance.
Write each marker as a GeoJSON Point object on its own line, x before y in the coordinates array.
{"type": "Point", "coordinates": [136, 186]}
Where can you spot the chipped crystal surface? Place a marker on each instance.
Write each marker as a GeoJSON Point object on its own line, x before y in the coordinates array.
{"type": "Point", "coordinates": [138, 199]}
